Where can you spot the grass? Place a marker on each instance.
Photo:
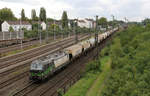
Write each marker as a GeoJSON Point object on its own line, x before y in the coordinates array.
{"type": "Point", "coordinates": [98, 85]}
{"type": "Point", "coordinates": [82, 86]}
{"type": "Point", "coordinates": [91, 80]}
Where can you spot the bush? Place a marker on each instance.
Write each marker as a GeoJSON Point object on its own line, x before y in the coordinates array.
{"type": "Point", "coordinates": [105, 51]}
{"type": "Point", "coordinates": [94, 66]}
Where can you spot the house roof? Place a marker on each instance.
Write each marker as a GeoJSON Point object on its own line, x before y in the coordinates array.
{"type": "Point", "coordinates": [89, 19]}
{"type": "Point", "coordinates": [81, 21]}
{"type": "Point", "coordinates": [18, 22]}
{"type": "Point", "coordinates": [36, 22]}
{"type": "Point", "coordinates": [56, 22]}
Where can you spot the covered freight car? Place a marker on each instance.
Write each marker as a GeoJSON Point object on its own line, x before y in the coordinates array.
{"type": "Point", "coordinates": [85, 45]}
{"type": "Point", "coordinates": [92, 41]}
{"type": "Point", "coordinates": [74, 50]}
{"type": "Point", "coordinates": [100, 38]}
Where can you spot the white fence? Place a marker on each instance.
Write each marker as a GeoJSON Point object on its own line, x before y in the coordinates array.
{"type": "Point", "coordinates": [11, 35]}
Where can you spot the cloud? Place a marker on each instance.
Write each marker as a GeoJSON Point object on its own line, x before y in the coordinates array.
{"type": "Point", "coordinates": [29, 2]}
{"type": "Point", "coordinates": [132, 9]}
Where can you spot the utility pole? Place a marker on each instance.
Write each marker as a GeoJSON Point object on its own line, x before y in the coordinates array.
{"type": "Point", "coordinates": [75, 30]}
{"type": "Point", "coordinates": [3, 35]}
{"type": "Point", "coordinates": [113, 18]}
{"type": "Point", "coordinates": [39, 27]}
{"type": "Point", "coordinates": [21, 34]}
{"type": "Point", "coordinates": [46, 35]}
{"type": "Point", "coordinates": [96, 36]}
{"type": "Point", "coordinates": [54, 30]}
{"type": "Point", "coordinates": [69, 27]}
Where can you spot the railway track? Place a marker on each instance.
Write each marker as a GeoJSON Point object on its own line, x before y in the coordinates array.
{"type": "Point", "coordinates": [28, 55]}
{"type": "Point", "coordinates": [14, 56]}
{"type": "Point", "coordinates": [8, 49]}
{"type": "Point", "coordinates": [17, 47]}
{"type": "Point", "coordinates": [71, 73]}
{"type": "Point", "coordinates": [31, 86]}
{"type": "Point", "coordinates": [27, 91]}
{"type": "Point", "coordinates": [63, 85]}
{"type": "Point", "coordinates": [14, 79]}
{"type": "Point", "coordinates": [4, 82]}
{"type": "Point", "coordinates": [5, 62]}
{"type": "Point", "coordinates": [49, 88]}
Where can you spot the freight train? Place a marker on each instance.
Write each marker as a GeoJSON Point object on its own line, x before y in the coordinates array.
{"type": "Point", "coordinates": [44, 67]}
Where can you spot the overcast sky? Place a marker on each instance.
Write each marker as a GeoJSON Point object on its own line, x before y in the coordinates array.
{"type": "Point", "coordinates": [134, 10]}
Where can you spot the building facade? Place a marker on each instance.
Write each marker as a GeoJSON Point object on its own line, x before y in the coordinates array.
{"type": "Point", "coordinates": [16, 25]}
{"type": "Point", "coordinates": [87, 23]}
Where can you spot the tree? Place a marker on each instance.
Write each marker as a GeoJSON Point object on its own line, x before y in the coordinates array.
{"type": "Point", "coordinates": [33, 15]}
{"type": "Point", "coordinates": [72, 23]}
{"type": "Point", "coordinates": [42, 14]}
{"type": "Point", "coordinates": [6, 14]}
{"type": "Point", "coordinates": [146, 21]}
{"type": "Point", "coordinates": [11, 30]}
{"type": "Point", "coordinates": [64, 20]}
{"type": "Point", "coordinates": [23, 15]}
{"type": "Point", "coordinates": [50, 20]}
{"type": "Point", "coordinates": [103, 22]}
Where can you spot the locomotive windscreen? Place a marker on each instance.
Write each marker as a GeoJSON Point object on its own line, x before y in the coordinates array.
{"type": "Point", "coordinates": [36, 65]}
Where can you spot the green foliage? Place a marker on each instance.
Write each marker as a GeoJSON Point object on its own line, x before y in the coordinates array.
{"type": "Point", "coordinates": [42, 14]}
{"type": "Point", "coordinates": [11, 29]}
{"type": "Point", "coordinates": [103, 22]}
{"type": "Point", "coordinates": [64, 20]}
{"type": "Point", "coordinates": [105, 51]}
{"type": "Point", "coordinates": [146, 21]}
{"type": "Point", "coordinates": [82, 86]}
{"type": "Point", "coordinates": [93, 66]}
{"type": "Point", "coordinates": [90, 79]}
{"type": "Point", "coordinates": [33, 15]}
{"type": "Point", "coordinates": [23, 15]}
{"type": "Point", "coordinates": [36, 26]}
{"type": "Point", "coordinates": [6, 14]}
{"type": "Point", "coordinates": [131, 63]}
{"type": "Point", "coordinates": [31, 34]}
{"type": "Point", "coordinates": [148, 27]}
{"type": "Point", "coordinates": [72, 23]}
{"type": "Point", "coordinates": [60, 92]}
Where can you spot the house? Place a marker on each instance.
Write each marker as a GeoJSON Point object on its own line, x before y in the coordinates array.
{"type": "Point", "coordinates": [16, 25]}
{"type": "Point", "coordinates": [87, 23]}
{"type": "Point", "coordinates": [81, 23]}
